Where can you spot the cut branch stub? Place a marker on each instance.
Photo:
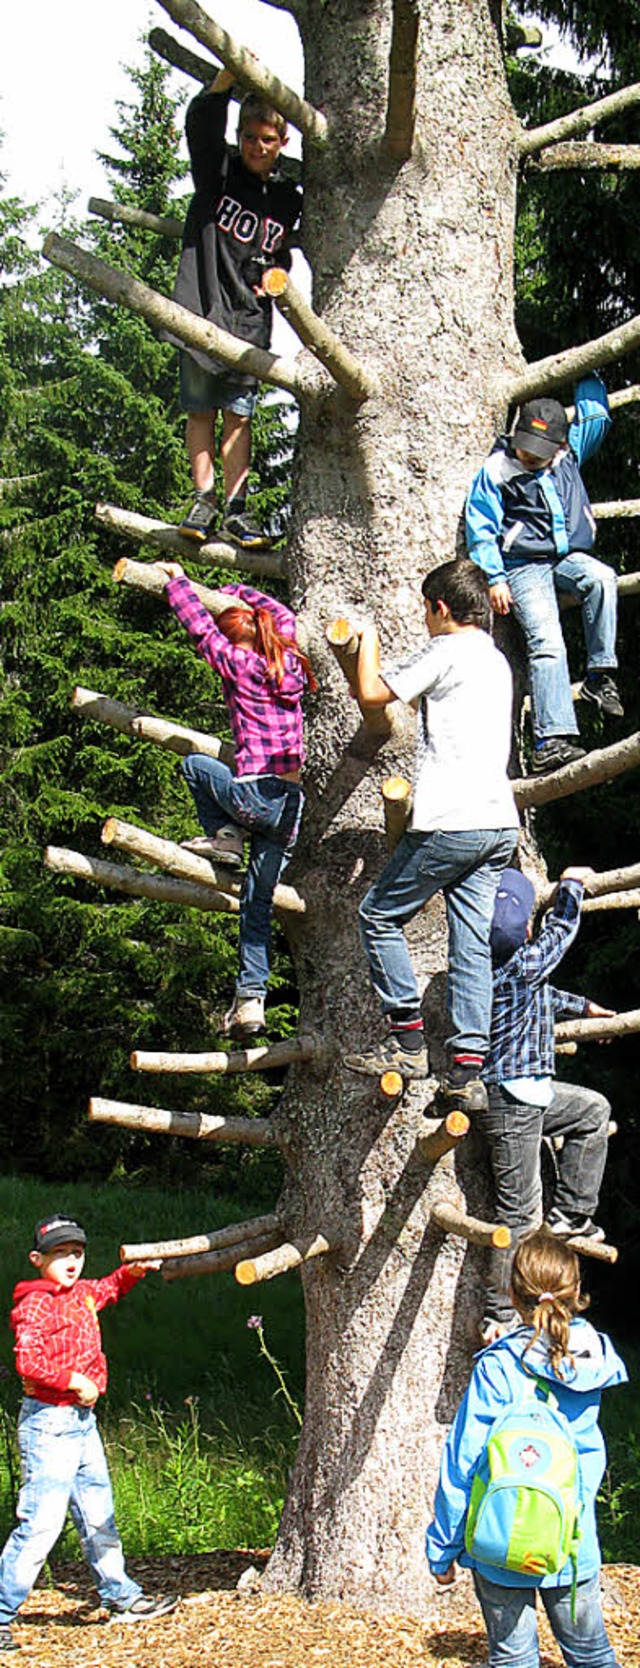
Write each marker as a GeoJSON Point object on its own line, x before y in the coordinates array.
{"type": "Point", "coordinates": [593, 1248]}
{"type": "Point", "coordinates": [149, 576]}
{"type": "Point", "coordinates": [600, 766]}
{"type": "Point", "coordinates": [357, 383]}
{"type": "Point", "coordinates": [185, 864]}
{"type": "Point", "coordinates": [443, 1137]}
{"type": "Point", "coordinates": [173, 52]}
{"type": "Point", "coordinates": [454, 1221]}
{"type": "Point", "coordinates": [137, 883]}
{"type": "Point", "coordinates": [609, 880]}
{"type": "Point", "coordinates": [546, 375]}
{"type": "Point", "coordinates": [391, 1085]}
{"type": "Point", "coordinates": [578, 121]}
{"type": "Point", "coordinates": [177, 738]}
{"type": "Point", "coordinates": [403, 60]}
{"type": "Point", "coordinates": [587, 154]}
{"type": "Point", "coordinates": [217, 1240]}
{"type": "Point", "coordinates": [126, 214]}
{"type": "Point", "coordinates": [396, 799]}
{"type": "Point", "coordinates": [196, 1126]}
{"type": "Point", "coordinates": [264, 1058]}
{"type": "Point", "coordinates": [218, 1262]}
{"type": "Point", "coordinates": [121, 287]}
{"type": "Point", "coordinates": [145, 530]}
{"type": "Point", "coordinates": [613, 900]}
{"type": "Point", "coordinates": [345, 643]}
{"type": "Point", "coordinates": [595, 1030]}
{"type": "Point", "coordinates": [286, 1256]}
{"type": "Point", "coordinates": [248, 71]}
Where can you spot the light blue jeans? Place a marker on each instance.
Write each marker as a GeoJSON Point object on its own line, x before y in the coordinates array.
{"type": "Point", "coordinates": [63, 1465]}
{"type": "Point", "coordinates": [533, 586]}
{"type": "Point", "coordinates": [269, 808]}
{"type": "Point", "coordinates": [467, 867]}
{"type": "Point", "coordinates": [510, 1619]}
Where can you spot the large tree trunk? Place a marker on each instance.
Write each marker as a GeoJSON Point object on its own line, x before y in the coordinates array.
{"type": "Point", "coordinates": [413, 270]}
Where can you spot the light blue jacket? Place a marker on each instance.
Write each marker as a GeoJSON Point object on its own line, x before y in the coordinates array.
{"type": "Point", "coordinates": [496, 1381]}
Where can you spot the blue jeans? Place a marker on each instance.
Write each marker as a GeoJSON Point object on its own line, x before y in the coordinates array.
{"type": "Point", "coordinates": [533, 586]}
{"type": "Point", "coordinates": [510, 1619]}
{"type": "Point", "coordinates": [63, 1465]}
{"type": "Point", "coordinates": [514, 1132]}
{"type": "Point", "coordinates": [467, 867]}
{"type": "Point", "coordinates": [269, 808]}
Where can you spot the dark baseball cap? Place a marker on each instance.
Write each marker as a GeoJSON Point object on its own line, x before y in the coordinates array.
{"type": "Point", "coordinates": [57, 1230]}
{"type": "Point", "coordinates": [541, 428]}
{"type": "Point", "coordinates": [515, 898]}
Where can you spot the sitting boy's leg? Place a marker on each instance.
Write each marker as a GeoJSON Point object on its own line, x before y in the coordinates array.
{"type": "Point", "coordinates": [91, 1506]}
{"type": "Point", "coordinates": [513, 1133]}
{"type": "Point", "coordinates": [535, 607]}
{"type": "Point", "coordinates": [595, 586]}
{"type": "Point", "coordinates": [482, 855]}
{"type": "Point", "coordinates": [48, 1463]}
{"type": "Point", "coordinates": [581, 1116]}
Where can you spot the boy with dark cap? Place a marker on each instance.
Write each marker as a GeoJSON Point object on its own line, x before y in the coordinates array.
{"type": "Point", "coordinates": [63, 1369]}
{"type": "Point", "coordinates": [525, 1101]}
{"type": "Point", "coordinates": [530, 527]}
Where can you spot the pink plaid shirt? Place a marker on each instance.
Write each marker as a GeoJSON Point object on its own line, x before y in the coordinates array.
{"type": "Point", "coordinates": [266, 719]}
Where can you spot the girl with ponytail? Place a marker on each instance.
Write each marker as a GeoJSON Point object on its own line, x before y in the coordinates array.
{"type": "Point", "coordinates": [561, 1350]}
{"type": "Point", "coordinates": [264, 675]}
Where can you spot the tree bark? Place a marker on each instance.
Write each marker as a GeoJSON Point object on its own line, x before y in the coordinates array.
{"type": "Point", "coordinates": [159, 533]}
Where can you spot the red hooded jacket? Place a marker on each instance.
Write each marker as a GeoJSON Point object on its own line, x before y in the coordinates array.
{"type": "Point", "coordinates": [58, 1333]}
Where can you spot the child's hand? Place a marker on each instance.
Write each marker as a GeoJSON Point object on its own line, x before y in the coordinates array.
{"type": "Point", "coordinates": [574, 873]}
{"type": "Point", "coordinates": [173, 570]}
{"type": "Point", "coordinates": [501, 598]}
{"type": "Point", "coordinates": [140, 1269]}
{"type": "Point", "coordinates": [592, 1010]}
{"type": "Point", "coordinates": [446, 1578]}
{"type": "Point", "coordinates": [86, 1391]}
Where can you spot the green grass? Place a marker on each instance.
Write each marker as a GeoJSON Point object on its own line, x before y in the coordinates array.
{"type": "Point", "coordinates": [199, 1438]}
{"type": "Point", "coordinates": [619, 1504]}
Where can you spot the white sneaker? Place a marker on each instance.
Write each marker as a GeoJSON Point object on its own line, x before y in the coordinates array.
{"type": "Point", "coordinates": [226, 847]}
{"type": "Point", "coordinates": [244, 1018]}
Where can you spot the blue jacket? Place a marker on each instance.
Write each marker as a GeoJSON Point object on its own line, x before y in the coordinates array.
{"type": "Point", "coordinates": [497, 1380]}
{"type": "Point", "coordinates": [515, 514]}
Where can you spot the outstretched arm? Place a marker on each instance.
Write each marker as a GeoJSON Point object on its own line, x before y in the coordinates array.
{"type": "Point", "coordinates": [370, 686]}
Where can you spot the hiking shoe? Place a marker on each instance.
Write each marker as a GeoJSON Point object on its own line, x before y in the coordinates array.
{"type": "Point", "coordinates": [226, 847]}
{"type": "Point", "coordinates": [452, 1096]}
{"type": "Point", "coordinates": [244, 1018]}
{"type": "Point", "coordinates": [389, 1056]}
{"type": "Point", "coordinates": [146, 1609]}
{"type": "Point", "coordinates": [601, 690]}
{"type": "Point", "coordinates": [553, 754]}
{"type": "Point", "coordinates": [581, 1227]}
{"type": "Point", "coordinates": [7, 1641]}
{"type": "Point", "coordinates": [198, 524]}
{"type": "Point", "coordinates": [241, 529]}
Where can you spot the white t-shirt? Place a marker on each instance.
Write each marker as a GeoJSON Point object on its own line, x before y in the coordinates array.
{"type": "Point", "coordinates": [464, 689]}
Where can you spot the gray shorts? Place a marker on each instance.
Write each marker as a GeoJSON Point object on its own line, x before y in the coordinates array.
{"type": "Point", "coordinates": [222, 390]}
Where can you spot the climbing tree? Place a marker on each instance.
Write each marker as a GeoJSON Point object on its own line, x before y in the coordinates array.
{"type": "Point", "coordinates": [413, 154]}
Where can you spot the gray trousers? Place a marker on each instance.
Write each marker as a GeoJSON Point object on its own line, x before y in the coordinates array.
{"type": "Point", "coordinates": [514, 1132]}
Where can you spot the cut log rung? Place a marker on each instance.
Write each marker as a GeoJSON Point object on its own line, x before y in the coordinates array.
{"type": "Point", "coordinates": [286, 1256]}
{"type": "Point", "coordinates": [266, 1057]}
{"type": "Point", "coordinates": [196, 1126]}
{"type": "Point", "coordinates": [234, 1234]}
{"type": "Point", "coordinates": [452, 1220]}
{"type": "Point", "coordinates": [445, 1135]}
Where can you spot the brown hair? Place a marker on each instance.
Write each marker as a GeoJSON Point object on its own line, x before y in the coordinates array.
{"type": "Point", "coordinates": [259, 625]}
{"type": "Point", "coordinates": [255, 108]}
{"type": "Point", "coordinates": [545, 1286]}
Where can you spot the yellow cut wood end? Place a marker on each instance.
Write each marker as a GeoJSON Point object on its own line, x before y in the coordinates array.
{"type": "Point", "coordinates": [108, 831]}
{"type": "Point", "coordinates": [457, 1123]}
{"type": "Point", "coordinates": [119, 569]}
{"type": "Point", "coordinates": [501, 1237]}
{"type": "Point", "coordinates": [245, 1273]}
{"type": "Point", "coordinates": [275, 280]}
{"type": "Point", "coordinates": [391, 1084]}
{"type": "Point", "coordinates": [396, 787]}
{"type": "Point", "coordinates": [338, 632]}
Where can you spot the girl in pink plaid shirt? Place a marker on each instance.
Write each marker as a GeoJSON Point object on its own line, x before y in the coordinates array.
{"type": "Point", "coordinates": [264, 675]}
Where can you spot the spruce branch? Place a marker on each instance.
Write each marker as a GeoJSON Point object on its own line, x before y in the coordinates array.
{"type": "Point", "coordinates": [247, 69]}
{"type": "Point", "coordinates": [545, 375]}
{"type": "Point", "coordinates": [578, 121]}
{"type": "Point", "coordinates": [586, 154]}
{"type": "Point", "coordinates": [600, 766]}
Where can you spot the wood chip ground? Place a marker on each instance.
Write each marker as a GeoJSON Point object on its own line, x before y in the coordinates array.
{"type": "Point", "coordinates": [216, 1627]}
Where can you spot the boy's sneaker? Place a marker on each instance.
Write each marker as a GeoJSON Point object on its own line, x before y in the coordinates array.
{"type": "Point", "coordinates": [602, 691]}
{"type": "Point", "coordinates": [389, 1056]}
{"type": "Point", "coordinates": [241, 529]}
{"type": "Point", "coordinates": [454, 1096]}
{"type": "Point", "coordinates": [226, 847]}
{"type": "Point", "coordinates": [7, 1641]}
{"type": "Point", "coordinates": [555, 753]}
{"type": "Point", "coordinates": [146, 1609]}
{"type": "Point", "coordinates": [581, 1227]}
{"type": "Point", "coordinates": [198, 524]}
{"type": "Point", "coordinates": [244, 1018]}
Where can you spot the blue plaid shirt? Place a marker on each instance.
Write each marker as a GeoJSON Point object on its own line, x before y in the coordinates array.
{"type": "Point", "coordinates": [525, 1006]}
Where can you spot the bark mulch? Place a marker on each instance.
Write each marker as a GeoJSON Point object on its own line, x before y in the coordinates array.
{"type": "Point", "coordinates": [217, 1627]}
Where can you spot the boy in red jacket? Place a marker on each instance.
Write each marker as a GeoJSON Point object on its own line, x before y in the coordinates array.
{"type": "Point", "coordinates": [63, 1369]}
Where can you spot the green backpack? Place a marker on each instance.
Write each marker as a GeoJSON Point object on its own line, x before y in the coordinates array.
{"type": "Point", "coordinates": [526, 1497]}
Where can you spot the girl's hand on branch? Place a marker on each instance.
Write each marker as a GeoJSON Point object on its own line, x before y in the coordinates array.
{"type": "Point", "coordinates": [173, 570]}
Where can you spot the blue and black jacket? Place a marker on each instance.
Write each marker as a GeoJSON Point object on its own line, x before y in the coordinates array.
{"type": "Point", "coordinates": [515, 514]}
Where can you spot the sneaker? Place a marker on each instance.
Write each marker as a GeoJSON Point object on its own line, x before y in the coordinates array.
{"type": "Point", "coordinates": [601, 690]}
{"type": "Point", "coordinates": [555, 753]}
{"type": "Point", "coordinates": [241, 529]}
{"type": "Point", "coordinates": [389, 1056]}
{"type": "Point", "coordinates": [581, 1227]}
{"type": "Point", "coordinates": [244, 1018]}
{"type": "Point", "coordinates": [452, 1096]}
{"type": "Point", "coordinates": [7, 1641]}
{"type": "Point", "coordinates": [226, 847]}
{"type": "Point", "coordinates": [199, 522]}
{"type": "Point", "coordinates": [146, 1609]}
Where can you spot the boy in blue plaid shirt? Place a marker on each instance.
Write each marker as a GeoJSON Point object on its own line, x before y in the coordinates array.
{"type": "Point", "coordinates": [525, 1101]}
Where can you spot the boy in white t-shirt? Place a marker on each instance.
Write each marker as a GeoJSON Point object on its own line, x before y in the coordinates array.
{"type": "Point", "coordinates": [464, 828]}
